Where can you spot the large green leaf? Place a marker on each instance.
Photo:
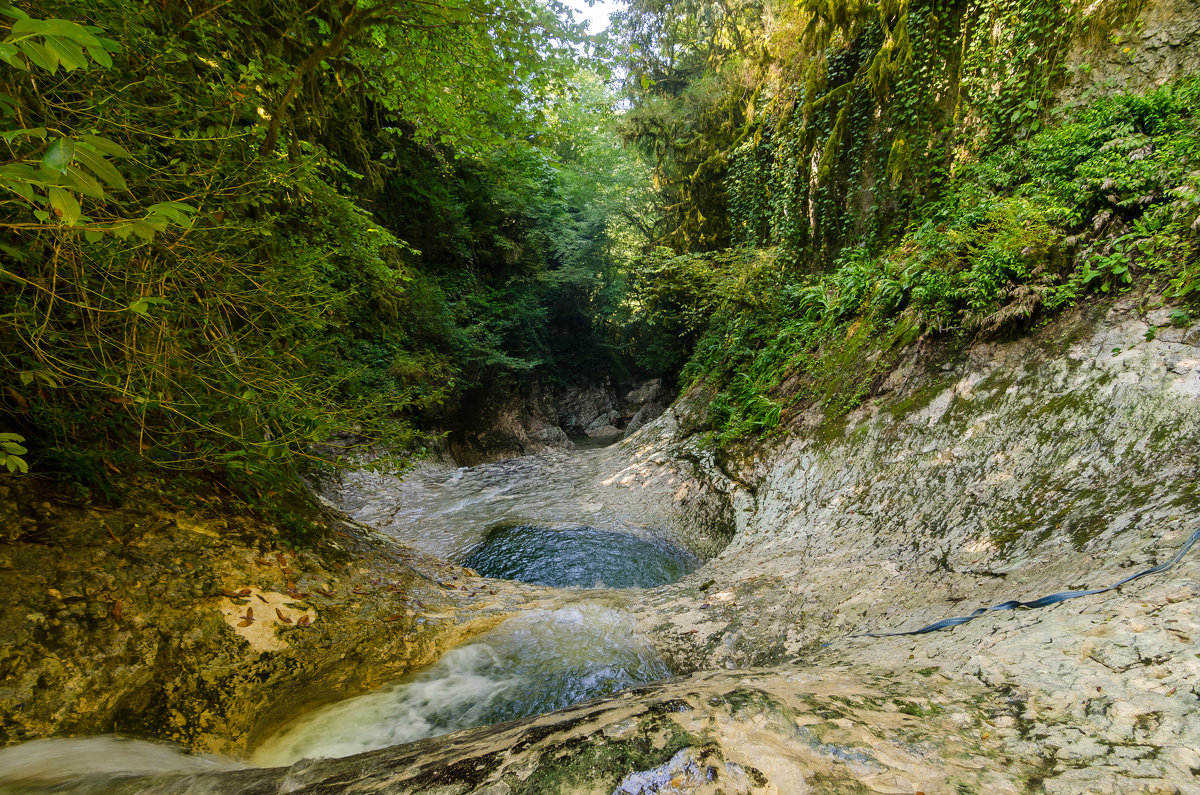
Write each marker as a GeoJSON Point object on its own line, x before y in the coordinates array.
{"type": "Point", "coordinates": [177, 212]}
{"type": "Point", "coordinates": [104, 146]}
{"type": "Point", "coordinates": [100, 167]}
{"type": "Point", "coordinates": [100, 56]}
{"type": "Point", "coordinates": [70, 30]}
{"type": "Point", "coordinates": [83, 182]}
{"type": "Point", "coordinates": [33, 132]}
{"type": "Point", "coordinates": [65, 203]}
{"type": "Point", "coordinates": [39, 56]}
{"type": "Point", "coordinates": [68, 53]}
{"type": "Point", "coordinates": [28, 26]}
{"type": "Point", "coordinates": [58, 155]}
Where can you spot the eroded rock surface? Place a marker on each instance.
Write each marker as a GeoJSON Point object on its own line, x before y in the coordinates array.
{"type": "Point", "coordinates": [197, 626]}
{"type": "Point", "coordinates": [719, 732]}
{"type": "Point", "coordinates": [1066, 460]}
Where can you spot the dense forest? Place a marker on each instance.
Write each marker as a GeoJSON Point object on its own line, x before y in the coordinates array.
{"type": "Point", "coordinates": [232, 231]}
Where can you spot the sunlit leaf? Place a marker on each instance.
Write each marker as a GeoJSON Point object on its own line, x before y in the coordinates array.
{"type": "Point", "coordinates": [39, 56]}
{"type": "Point", "coordinates": [83, 182]}
{"type": "Point", "coordinates": [65, 205]}
{"type": "Point", "coordinates": [104, 146]}
{"type": "Point", "coordinates": [28, 26]}
{"type": "Point", "coordinates": [68, 53]}
{"type": "Point", "coordinates": [70, 30]}
{"type": "Point", "coordinates": [143, 230]}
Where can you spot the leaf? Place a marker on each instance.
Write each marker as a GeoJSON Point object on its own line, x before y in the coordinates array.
{"type": "Point", "coordinates": [100, 56]}
{"type": "Point", "coordinates": [23, 189]}
{"type": "Point", "coordinates": [23, 172]}
{"type": "Point", "coordinates": [177, 212]}
{"type": "Point", "coordinates": [93, 235]}
{"type": "Point", "coordinates": [28, 26]}
{"type": "Point", "coordinates": [302, 621]}
{"type": "Point", "coordinates": [280, 614]}
{"type": "Point", "coordinates": [105, 146]}
{"type": "Point", "coordinates": [68, 52]}
{"type": "Point", "coordinates": [83, 182]}
{"type": "Point", "coordinates": [32, 132]}
{"type": "Point", "coordinates": [142, 229]}
{"type": "Point", "coordinates": [58, 155]}
{"type": "Point", "coordinates": [70, 30]}
{"type": "Point", "coordinates": [39, 56]}
{"type": "Point", "coordinates": [245, 622]}
{"type": "Point", "coordinates": [100, 167]}
{"type": "Point", "coordinates": [65, 204]}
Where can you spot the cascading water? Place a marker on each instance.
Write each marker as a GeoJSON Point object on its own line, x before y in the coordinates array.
{"type": "Point", "coordinates": [517, 519]}
{"type": "Point", "coordinates": [95, 764]}
{"type": "Point", "coordinates": [538, 662]}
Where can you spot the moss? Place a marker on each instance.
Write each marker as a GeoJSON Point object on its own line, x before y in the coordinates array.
{"type": "Point", "coordinates": [468, 773]}
{"type": "Point", "coordinates": [746, 699]}
{"type": "Point", "coordinates": [821, 782]}
{"type": "Point", "coordinates": [917, 710]}
{"type": "Point", "coordinates": [595, 761]}
{"type": "Point", "coordinates": [919, 398]}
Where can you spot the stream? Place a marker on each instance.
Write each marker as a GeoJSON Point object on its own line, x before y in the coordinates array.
{"type": "Point", "coordinates": [523, 519]}
{"type": "Point", "coordinates": [517, 519]}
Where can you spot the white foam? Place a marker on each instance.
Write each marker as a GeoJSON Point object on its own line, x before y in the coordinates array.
{"type": "Point", "coordinates": [43, 764]}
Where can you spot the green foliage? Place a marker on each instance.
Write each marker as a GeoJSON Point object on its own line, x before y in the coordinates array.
{"type": "Point", "coordinates": [11, 452]}
{"type": "Point", "coordinates": [833, 122]}
{"type": "Point", "coordinates": [1105, 195]}
{"type": "Point", "coordinates": [69, 169]}
{"type": "Point", "coordinates": [246, 229]}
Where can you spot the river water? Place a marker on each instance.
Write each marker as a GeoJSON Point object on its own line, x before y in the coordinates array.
{"type": "Point", "coordinates": [518, 519]}
{"type": "Point", "coordinates": [526, 519]}
{"type": "Point", "coordinates": [538, 662]}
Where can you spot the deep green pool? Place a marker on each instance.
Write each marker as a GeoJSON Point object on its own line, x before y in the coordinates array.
{"type": "Point", "coordinates": [579, 557]}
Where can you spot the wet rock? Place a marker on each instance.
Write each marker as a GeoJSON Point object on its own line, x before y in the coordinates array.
{"type": "Point", "coordinates": [199, 626]}
{"type": "Point", "coordinates": [746, 732]}
{"type": "Point", "coordinates": [1025, 468]}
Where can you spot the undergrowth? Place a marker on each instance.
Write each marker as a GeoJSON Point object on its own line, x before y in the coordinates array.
{"type": "Point", "coordinates": [1100, 197]}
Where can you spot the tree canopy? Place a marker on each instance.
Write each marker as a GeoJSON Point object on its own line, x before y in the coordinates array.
{"type": "Point", "coordinates": [232, 232]}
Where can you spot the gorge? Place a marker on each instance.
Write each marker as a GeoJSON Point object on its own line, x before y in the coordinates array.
{"type": "Point", "coordinates": [365, 435]}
